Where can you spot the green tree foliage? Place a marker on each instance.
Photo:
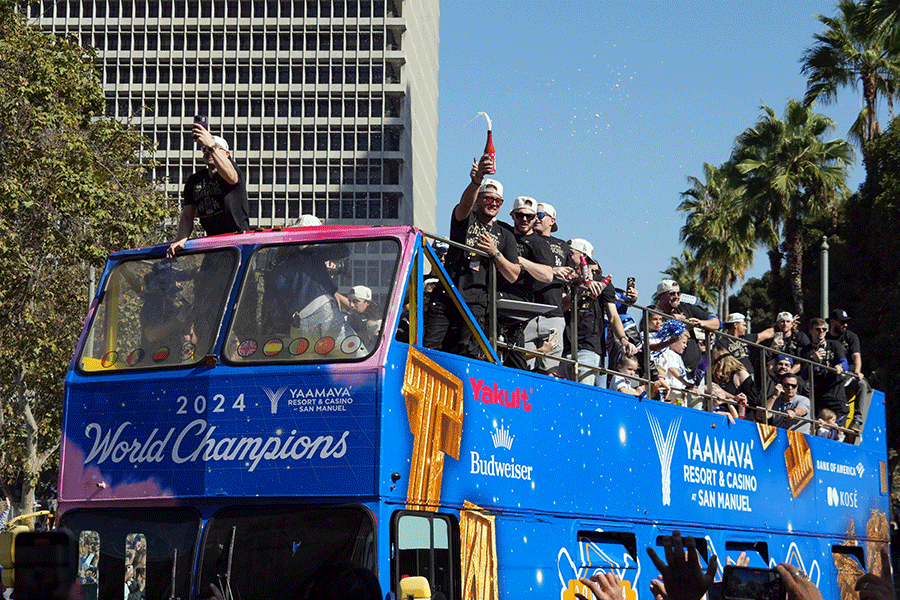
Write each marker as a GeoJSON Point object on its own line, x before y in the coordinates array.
{"type": "Point", "coordinates": [793, 175]}
{"type": "Point", "coordinates": [73, 187]}
{"type": "Point", "coordinates": [853, 50]}
{"type": "Point", "coordinates": [718, 230]}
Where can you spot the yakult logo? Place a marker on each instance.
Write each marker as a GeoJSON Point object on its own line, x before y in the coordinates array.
{"type": "Point", "coordinates": [494, 395]}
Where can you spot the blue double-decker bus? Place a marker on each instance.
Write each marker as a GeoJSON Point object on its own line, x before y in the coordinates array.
{"type": "Point", "coordinates": [232, 420]}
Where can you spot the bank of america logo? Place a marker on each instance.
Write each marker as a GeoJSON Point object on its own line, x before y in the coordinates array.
{"type": "Point", "coordinates": [665, 448]}
{"type": "Point", "coordinates": [274, 397]}
{"type": "Point", "coordinates": [860, 469]}
{"type": "Point", "coordinates": [502, 439]}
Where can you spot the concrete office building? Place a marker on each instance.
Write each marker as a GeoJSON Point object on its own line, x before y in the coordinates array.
{"type": "Point", "coordinates": [330, 106]}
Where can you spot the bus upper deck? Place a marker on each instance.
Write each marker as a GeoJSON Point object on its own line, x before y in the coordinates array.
{"type": "Point", "coordinates": [229, 414]}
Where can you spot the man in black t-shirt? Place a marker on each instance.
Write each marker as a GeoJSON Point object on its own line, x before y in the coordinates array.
{"type": "Point", "coordinates": [537, 270]}
{"type": "Point", "coordinates": [474, 223]}
{"type": "Point", "coordinates": [668, 301]}
{"type": "Point", "coordinates": [552, 293]}
{"type": "Point", "coordinates": [217, 195]}
{"type": "Point", "coordinates": [828, 385]}
{"type": "Point", "coordinates": [736, 325]}
{"type": "Point", "coordinates": [595, 304]}
{"type": "Point", "coordinates": [839, 332]}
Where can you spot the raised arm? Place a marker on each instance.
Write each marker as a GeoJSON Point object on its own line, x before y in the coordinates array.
{"type": "Point", "coordinates": [470, 194]}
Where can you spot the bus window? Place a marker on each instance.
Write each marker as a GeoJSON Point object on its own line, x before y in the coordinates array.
{"type": "Point", "coordinates": [89, 563]}
{"type": "Point", "coordinates": [135, 566]}
{"type": "Point", "coordinates": [756, 552]}
{"type": "Point", "coordinates": [276, 552]}
{"type": "Point", "coordinates": [313, 302]}
{"type": "Point", "coordinates": [135, 553]}
{"type": "Point", "coordinates": [426, 544]}
{"type": "Point", "coordinates": [160, 312]}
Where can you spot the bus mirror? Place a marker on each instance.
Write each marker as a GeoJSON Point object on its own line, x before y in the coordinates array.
{"type": "Point", "coordinates": [8, 552]}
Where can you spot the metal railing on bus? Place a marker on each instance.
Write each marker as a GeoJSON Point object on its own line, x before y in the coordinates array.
{"type": "Point", "coordinates": [694, 397]}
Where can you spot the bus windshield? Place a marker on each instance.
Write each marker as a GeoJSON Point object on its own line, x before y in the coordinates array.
{"type": "Point", "coordinates": [249, 551]}
{"type": "Point", "coordinates": [160, 312]}
{"type": "Point", "coordinates": [312, 302]}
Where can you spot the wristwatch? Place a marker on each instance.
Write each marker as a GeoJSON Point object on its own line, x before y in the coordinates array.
{"type": "Point", "coordinates": [497, 254]}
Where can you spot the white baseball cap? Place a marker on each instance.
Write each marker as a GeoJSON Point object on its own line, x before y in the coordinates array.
{"type": "Point", "coordinates": [308, 221]}
{"type": "Point", "coordinates": [582, 246]}
{"type": "Point", "coordinates": [361, 292]}
{"type": "Point", "coordinates": [221, 143]}
{"type": "Point", "coordinates": [548, 208]}
{"type": "Point", "coordinates": [526, 204]}
{"type": "Point", "coordinates": [486, 183]}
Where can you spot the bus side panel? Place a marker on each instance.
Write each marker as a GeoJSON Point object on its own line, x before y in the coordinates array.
{"type": "Point", "coordinates": [528, 442]}
{"type": "Point", "coordinates": [226, 431]}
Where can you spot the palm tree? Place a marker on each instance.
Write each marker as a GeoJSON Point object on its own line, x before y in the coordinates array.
{"type": "Point", "coordinates": [848, 51]}
{"type": "Point", "coordinates": [792, 170]}
{"type": "Point", "coordinates": [719, 232]}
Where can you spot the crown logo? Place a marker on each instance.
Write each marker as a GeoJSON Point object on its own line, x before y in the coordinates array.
{"type": "Point", "coordinates": [502, 438]}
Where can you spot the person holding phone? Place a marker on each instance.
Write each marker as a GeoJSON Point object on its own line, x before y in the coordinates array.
{"type": "Point", "coordinates": [217, 195]}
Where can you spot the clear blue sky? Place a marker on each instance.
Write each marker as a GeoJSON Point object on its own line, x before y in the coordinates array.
{"type": "Point", "coordinates": [605, 108]}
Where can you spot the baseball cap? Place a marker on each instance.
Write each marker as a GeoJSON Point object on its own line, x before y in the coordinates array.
{"type": "Point", "coordinates": [485, 183]}
{"type": "Point", "coordinates": [665, 286]}
{"type": "Point", "coordinates": [308, 221]}
{"type": "Point", "coordinates": [783, 358]}
{"type": "Point", "coordinates": [525, 203]}
{"type": "Point", "coordinates": [784, 316]}
{"type": "Point", "coordinates": [840, 314]}
{"type": "Point", "coordinates": [582, 246]}
{"type": "Point", "coordinates": [735, 318]}
{"type": "Point", "coordinates": [361, 292]}
{"type": "Point", "coordinates": [221, 143]}
{"type": "Point", "coordinates": [548, 208]}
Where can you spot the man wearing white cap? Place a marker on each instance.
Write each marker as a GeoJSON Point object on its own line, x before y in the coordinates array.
{"type": "Point", "coordinates": [474, 223]}
{"type": "Point", "coordinates": [217, 194]}
{"type": "Point", "coordinates": [365, 324]}
{"type": "Point", "coordinates": [602, 298]}
{"type": "Point", "coordinates": [553, 292]}
{"type": "Point", "coordinates": [736, 325]}
{"type": "Point", "coordinates": [668, 301]}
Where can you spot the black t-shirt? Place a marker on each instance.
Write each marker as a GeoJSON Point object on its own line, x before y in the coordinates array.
{"type": "Point", "coordinates": [552, 293]}
{"type": "Point", "coordinates": [220, 206]}
{"type": "Point", "coordinates": [534, 248]}
{"type": "Point", "coordinates": [691, 355]}
{"type": "Point", "coordinates": [590, 320]}
{"type": "Point", "coordinates": [828, 385]}
{"type": "Point", "coordinates": [470, 273]}
{"type": "Point", "coordinates": [741, 351]}
{"type": "Point", "coordinates": [850, 342]}
{"type": "Point", "coordinates": [793, 344]}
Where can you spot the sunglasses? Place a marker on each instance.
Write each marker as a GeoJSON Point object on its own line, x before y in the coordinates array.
{"type": "Point", "coordinates": [493, 200]}
{"type": "Point", "coordinates": [523, 216]}
{"type": "Point", "coordinates": [789, 385]}
{"type": "Point", "coordinates": [820, 329]}
{"type": "Point", "coordinates": [674, 293]}
{"type": "Point", "coordinates": [540, 215]}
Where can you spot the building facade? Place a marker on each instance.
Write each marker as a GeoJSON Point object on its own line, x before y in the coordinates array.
{"type": "Point", "coordinates": [330, 106]}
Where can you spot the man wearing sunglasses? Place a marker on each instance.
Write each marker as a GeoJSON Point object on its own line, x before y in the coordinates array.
{"type": "Point", "coordinates": [668, 301]}
{"type": "Point", "coordinates": [828, 385]}
{"type": "Point", "coordinates": [216, 194]}
{"type": "Point", "coordinates": [791, 403]}
{"type": "Point", "coordinates": [537, 270]}
{"type": "Point", "coordinates": [474, 223]}
{"type": "Point", "coordinates": [551, 293]}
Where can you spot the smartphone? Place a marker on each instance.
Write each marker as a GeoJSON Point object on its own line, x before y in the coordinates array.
{"type": "Point", "coordinates": [201, 119]}
{"type": "Point", "coordinates": [46, 564]}
{"type": "Point", "coordinates": [630, 283]}
{"type": "Point", "coordinates": [751, 583]}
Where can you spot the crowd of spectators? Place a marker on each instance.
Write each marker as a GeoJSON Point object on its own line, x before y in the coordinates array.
{"type": "Point", "coordinates": [778, 374]}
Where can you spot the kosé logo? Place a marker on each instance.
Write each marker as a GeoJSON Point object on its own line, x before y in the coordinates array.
{"type": "Point", "coordinates": [837, 497]}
